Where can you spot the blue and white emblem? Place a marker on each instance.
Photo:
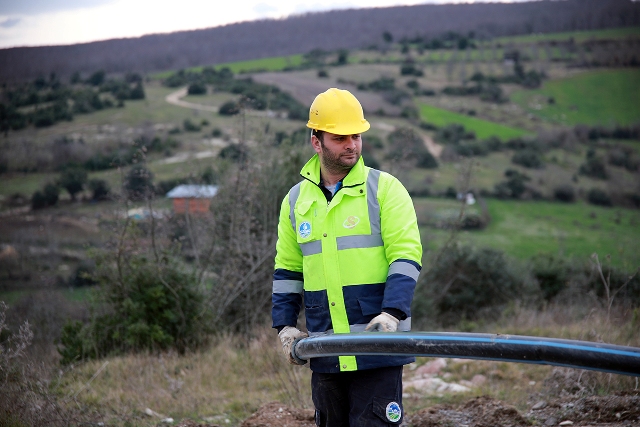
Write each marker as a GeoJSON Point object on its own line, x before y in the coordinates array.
{"type": "Point", "coordinates": [394, 412]}
{"type": "Point", "coordinates": [305, 230]}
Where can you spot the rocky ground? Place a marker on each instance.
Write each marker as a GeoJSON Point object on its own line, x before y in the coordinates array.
{"type": "Point", "coordinates": [592, 411]}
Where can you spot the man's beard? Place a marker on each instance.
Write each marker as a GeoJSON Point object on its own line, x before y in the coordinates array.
{"type": "Point", "coordinates": [335, 163]}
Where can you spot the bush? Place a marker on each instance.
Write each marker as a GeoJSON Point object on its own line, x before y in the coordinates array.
{"type": "Point", "coordinates": [197, 88]}
{"type": "Point", "coordinates": [528, 158]}
{"type": "Point", "coordinates": [229, 108]}
{"type": "Point", "coordinates": [514, 187]}
{"type": "Point", "coordinates": [138, 183]}
{"type": "Point", "coordinates": [233, 152]}
{"type": "Point", "coordinates": [599, 197]}
{"type": "Point", "coordinates": [189, 126]}
{"type": "Point", "coordinates": [73, 180]}
{"type": "Point", "coordinates": [144, 306]}
{"type": "Point", "coordinates": [99, 189]}
{"type": "Point", "coordinates": [47, 197]}
{"type": "Point", "coordinates": [406, 145]}
{"type": "Point", "coordinates": [564, 193]}
{"type": "Point", "coordinates": [594, 167]}
{"type": "Point", "coordinates": [83, 276]}
{"type": "Point", "coordinates": [466, 283]}
{"type": "Point", "coordinates": [553, 274]}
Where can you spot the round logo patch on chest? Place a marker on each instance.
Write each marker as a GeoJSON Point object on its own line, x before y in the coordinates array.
{"type": "Point", "coordinates": [394, 412]}
{"type": "Point", "coordinates": [305, 230]}
{"type": "Point", "coordinates": [351, 221]}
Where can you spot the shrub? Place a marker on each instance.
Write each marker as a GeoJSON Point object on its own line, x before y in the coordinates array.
{"type": "Point", "coordinates": [99, 189]}
{"type": "Point", "coordinates": [373, 141]}
{"type": "Point", "coordinates": [624, 158]}
{"type": "Point", "coordinates": [453, 134]}
{"type": "Point", "coordinates": [47, 197]}
{"type": "Point", "coordinates": [229, 108]}
{"type": "Point", "coordinates": [514, 187]}
{"type": "Point", "coordinates": [138, 183]}
{"type": "Point", "coordinates": [564, 193]}
{"type": "Point", "coordinates": [553, 274]}
{"type": "Point", "coordinates": [467, 283]}
{"type": "Point", "coordinates": [599, 197]}
{"type": "Point", "coordinates": [197, 88]}
{"type": "Point", "coordinates": [189, 126]}
{"type": "Point", "coordinates": [144, 306]}
{"type": "Point", "coordinates": [84, 275]}
{"type": "Point", "coordinates": [73, 180]}
{"type": "Point", "coordinates": [406, 145]}
{"type": "Point", "coordinates": [594, 167]}
{"type": "Point", "coordinates": [528, 158]}
{"type": "Point", "coordinates": [471, 148]}
{"type": "Point", "coordinates": [233, 152]}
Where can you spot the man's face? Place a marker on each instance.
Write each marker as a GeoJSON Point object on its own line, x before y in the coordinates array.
{"type": "Point", "coordinates": [338, 153]}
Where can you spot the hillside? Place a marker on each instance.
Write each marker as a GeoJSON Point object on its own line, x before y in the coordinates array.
{"type": "Point", "coordinates": [351, 29]}
{"type": "Point", "coordinates": [522, 156]}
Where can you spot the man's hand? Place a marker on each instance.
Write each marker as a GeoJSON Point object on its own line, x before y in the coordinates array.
{"type": "Point", "coordinates": [287, 336]}
{"type": "Point", "coordinates": [384, 322]}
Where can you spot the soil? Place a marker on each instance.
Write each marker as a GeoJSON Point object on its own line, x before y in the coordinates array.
{"type": "Point", "coordinates": [275, 414]}
{"type": "Point", "coordinates": [622, 410]}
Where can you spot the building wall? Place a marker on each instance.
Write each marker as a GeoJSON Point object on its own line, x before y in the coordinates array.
{"type": "Point", "coordinates": [193, 206]}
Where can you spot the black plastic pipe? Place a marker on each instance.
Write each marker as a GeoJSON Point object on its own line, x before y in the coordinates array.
{"type": "Point", "coordinates": [509, 348]}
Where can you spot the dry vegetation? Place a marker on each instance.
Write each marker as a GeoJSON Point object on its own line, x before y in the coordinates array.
{"type": "Point", "coordinates": [228, 381]}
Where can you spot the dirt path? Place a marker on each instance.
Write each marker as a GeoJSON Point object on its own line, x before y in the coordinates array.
{"type": "Point", "coordinates": [174, 98]}
{"type": "Point", "coordinates": [434, 149]}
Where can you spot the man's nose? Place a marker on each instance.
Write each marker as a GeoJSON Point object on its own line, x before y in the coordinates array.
{"type": "Point", "coordinates": [351, 142]}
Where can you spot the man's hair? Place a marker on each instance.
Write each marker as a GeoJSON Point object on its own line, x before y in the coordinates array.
{"type": "Point", "coordinates": [318, 134]}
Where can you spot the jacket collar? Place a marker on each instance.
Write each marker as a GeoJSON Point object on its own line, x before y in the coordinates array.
{"type": "Point", "coordinates": [356, 176]}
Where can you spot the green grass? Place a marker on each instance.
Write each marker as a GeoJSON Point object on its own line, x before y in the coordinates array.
{"type": "Point", "coordinates": [603, 97]}
{"type": "Point", "coordinates": [482, 128]}
{"type": "Point", "coordinates": [578, 36]}
{"type": "Point", "coordinates": [523, 229]}
{"type": "Point", "coordinates": [276, 63]}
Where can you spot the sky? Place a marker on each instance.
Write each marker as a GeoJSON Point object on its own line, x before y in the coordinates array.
{"type": "Point", "coordinates": [61, 22]}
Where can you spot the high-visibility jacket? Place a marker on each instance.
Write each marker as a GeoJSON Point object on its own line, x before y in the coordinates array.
{"type": "Point", "coordinates": [350, 258]}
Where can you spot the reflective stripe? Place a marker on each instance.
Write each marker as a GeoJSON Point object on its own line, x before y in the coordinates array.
{"type": "Point", "coordinates": [359, 241]}
{"type": "Point", "coordinates": [404, 268]}
{"type": "Point", "coordinates": [372, 200]}
{"type": "Point", "coordinates": [311, 248]}
{"type": "Point", "coordinates": [293, 198]}
{"type": "Point", "coordinates": [287, 286]}
{"type": "Point", "coordinates": [403, 326]}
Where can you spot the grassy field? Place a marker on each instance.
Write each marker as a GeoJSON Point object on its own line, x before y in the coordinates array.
{"type": "Point", "coordinates": [483, 128]}
{"type": "Point", "coordinates": [524, 229]}
{"type": "Point", "coordinates": [602, 97]}
{"type": "Point", "coordinates": [276, 63]}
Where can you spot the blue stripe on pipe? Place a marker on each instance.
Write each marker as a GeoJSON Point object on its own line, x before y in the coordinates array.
{"type": "Point", "coordinates": [508, 341]}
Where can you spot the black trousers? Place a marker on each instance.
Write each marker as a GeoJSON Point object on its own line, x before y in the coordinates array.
{"type": "Point", "coordinates": [368, 398]}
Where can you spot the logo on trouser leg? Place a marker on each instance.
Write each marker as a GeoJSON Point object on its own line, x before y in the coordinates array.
{"type": "Point", "coordinates": [394, 412]}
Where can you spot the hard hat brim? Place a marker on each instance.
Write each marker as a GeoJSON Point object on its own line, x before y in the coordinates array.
{"type": "Point", "coordinates": [341, 129]}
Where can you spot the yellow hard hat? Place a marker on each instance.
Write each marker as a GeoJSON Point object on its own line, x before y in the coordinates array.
{"type": "Point", "coordinates": [337, 111]}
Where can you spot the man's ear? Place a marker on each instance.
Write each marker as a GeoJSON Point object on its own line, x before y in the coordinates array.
{"type": "Point", "coordinates": [316, 144]}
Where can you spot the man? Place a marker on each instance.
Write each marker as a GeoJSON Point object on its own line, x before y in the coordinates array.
{"type": "Point", "coordinates": [349, 246]}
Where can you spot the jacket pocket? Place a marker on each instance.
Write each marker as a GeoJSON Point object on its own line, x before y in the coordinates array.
{"type": "Point", "coordinates": [304, 221]}
{"type": "Point", "coordinates": [316, 308]}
